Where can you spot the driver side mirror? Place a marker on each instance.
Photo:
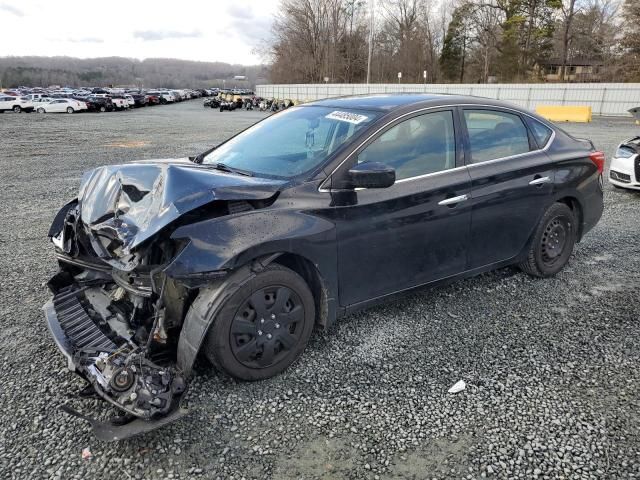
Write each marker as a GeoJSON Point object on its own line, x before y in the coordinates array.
{"type": "Point", "coordinates": [372, 175]}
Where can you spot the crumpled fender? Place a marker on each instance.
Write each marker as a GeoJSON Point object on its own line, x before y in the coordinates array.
{"type": "Point", "coordinates": [231, 244]}
{"type": "Point", "coordinates": [224, 243]}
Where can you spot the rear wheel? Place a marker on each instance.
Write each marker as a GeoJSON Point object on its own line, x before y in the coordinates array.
{"type": "Point", "coordinates": [17, 109]}
{"type": "Point", "coordinates": [103, 109]}
{"type": "Point", "coordinates": [263, 327]}
{"type": "Point", "coordinates": [553, 242]}
{"type": "Point", "coordinates": [69, 110]}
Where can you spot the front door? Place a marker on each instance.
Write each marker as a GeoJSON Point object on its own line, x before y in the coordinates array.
{"type": "Point", "coordinates": [415, 231]}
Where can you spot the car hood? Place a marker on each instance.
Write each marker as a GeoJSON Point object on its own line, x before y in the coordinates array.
{"type": "Point", "coordinates": [130, 203]}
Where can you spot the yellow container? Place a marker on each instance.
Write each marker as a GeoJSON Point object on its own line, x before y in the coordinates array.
{"type": "Point", "coordinates": [564, 113]}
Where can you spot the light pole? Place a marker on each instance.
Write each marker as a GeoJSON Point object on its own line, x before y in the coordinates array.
{"type": "Point", "coordinates": [373, 7]}
{"type": "Point", "coordinates": [399, 77]}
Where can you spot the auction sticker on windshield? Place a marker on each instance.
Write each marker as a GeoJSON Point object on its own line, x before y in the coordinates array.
{"type": "Point", "coordinates": [347, 117]}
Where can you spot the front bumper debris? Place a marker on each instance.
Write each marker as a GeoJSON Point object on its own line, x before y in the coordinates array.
{"type": "Point", "coordinates": [110, 432]}
{"type": "Point", "coordinates": [120, 371]}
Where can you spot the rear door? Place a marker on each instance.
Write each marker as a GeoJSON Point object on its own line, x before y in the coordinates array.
{"type": "Point", "coordinates": [511, 183]}
{"type": "Point", "coordinates": [415, 231]}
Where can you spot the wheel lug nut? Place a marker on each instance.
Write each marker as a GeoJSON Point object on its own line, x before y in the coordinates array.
{"type": "Point", "coordinates": [259, 332]}
{"type": "Point", "coordinates": [269, 336]}
{"type": "Point", "coordinates": [277, 325]}
{"type": "Point", "coordinates": [262, 320]}
{"type": "Point", "coordinates": [273, 316]}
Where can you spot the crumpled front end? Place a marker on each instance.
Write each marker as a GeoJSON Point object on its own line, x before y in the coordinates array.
{"type": "Point", "coordinates": [118, 330]}
{"type": "Point", "coordinates": [116, 314]}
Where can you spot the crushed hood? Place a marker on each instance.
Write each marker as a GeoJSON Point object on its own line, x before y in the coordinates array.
{"type": "Point", "coordinates": [132, 202]}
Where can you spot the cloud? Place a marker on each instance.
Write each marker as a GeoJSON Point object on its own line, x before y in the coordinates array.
{"type": "Point", "coordinates": [11, 9]}
{"type": "Point", "coordinates": [251, 28]}
{"type": "Point", "coordinates": [86, 40]}
{"type": "Point", "coordinates": [155, 35]}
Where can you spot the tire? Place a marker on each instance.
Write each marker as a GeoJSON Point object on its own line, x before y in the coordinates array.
{"type": "Point", "coordinates": [17, 109]}
{"type": "Point", "coordinates": [69, 110]}
{"type": "Point", "coordinates": [103, 108]}
{"type": "Point", "coordinates": [552, 243]}
{"type": "Point", "coordinates": [272, 312]}
{"type": "Point", "coordinates": [41, 110]}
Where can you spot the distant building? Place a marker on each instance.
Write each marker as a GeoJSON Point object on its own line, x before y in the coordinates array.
{"type": "Point", "coordinates": [576, 70]}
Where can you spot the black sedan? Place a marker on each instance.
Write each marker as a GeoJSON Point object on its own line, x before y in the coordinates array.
{"type": "Point", "coordinates": [313, 213]}
{"type": "Point", "coordinates": [99, 104]}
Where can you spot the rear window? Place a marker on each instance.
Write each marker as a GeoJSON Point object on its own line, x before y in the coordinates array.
{"type": "Point", "coordinates": [541, 132]}
{"type": "Point", "coordinates": [495, 134]}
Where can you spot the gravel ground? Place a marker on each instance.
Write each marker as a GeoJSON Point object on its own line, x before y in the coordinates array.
{"type": "Point", "coordinates": [552, 366]}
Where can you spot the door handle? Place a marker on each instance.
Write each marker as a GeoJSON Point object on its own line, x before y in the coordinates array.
{"type": "Point", "coordinates": [453, 200]}
{"type": "Point", "coordinates": [540, 181]}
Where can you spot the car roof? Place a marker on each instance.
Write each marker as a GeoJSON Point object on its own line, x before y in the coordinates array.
{"type": "Point", "coordinates": [396, 101]}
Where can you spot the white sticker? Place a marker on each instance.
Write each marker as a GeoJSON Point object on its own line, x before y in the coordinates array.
{"type": "Point", "coordinates": [354, 118]}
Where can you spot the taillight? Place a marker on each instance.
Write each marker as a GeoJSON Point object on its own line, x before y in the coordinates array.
{"type": "Point", "coordinates": [598, 159]}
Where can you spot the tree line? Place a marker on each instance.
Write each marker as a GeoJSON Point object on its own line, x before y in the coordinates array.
{"type": "Point", "coordinates": [472, 41]}
{"type": "Point", "coordinates": [152, 72]}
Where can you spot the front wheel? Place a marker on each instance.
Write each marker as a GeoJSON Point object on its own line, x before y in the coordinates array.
{"type": "Point", "coordinates": [263, 327]}
{"type": "Point", "coordinates": [69, 110]}
{"type": "Point", "coordinates": [41, 110]}
{"type": "Point", "coordinates": [17, 109]}
{"type": "Point", "coordinates": [553, 242]}
{"type": "Point", "coordinates": [103, 109]}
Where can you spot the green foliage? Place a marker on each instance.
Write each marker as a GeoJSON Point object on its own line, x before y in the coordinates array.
{"type": "Point", "coordinates": [454, 45]}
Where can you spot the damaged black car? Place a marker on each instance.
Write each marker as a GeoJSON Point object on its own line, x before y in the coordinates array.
{"type": "Point", "coordinates": [236, 254]}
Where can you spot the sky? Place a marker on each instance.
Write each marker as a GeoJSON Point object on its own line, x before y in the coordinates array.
{"type": "Point", "coordinates": [205, 30]}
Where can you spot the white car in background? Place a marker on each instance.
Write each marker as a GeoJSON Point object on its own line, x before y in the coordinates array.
{"type": "Point", "coordinates": [41, 101]}
{"type": "Point", "coordinates": [164, 95]}
{"type": "Point", "coordinates": [119, 102]}
{"type": "Point", "coordinates": [17, 104]}
{"type": "Point", "coordinates": [61, 105]}
{"type": "Point", "coordinates": [130, 100]}
{"type": "Point", "coordinates": [625, 165]}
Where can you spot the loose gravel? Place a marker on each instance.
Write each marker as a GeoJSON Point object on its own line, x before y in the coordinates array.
{"type": "Point", "coordinates": [552, 366]}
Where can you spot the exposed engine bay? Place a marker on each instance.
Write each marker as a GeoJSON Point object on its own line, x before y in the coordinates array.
{"type": "Point", "coordinates": [116, 314]}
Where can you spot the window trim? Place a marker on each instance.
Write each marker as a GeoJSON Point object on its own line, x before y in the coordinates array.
{"type": "Point", "coordinates": [458, 134]}
{"type": "Point", "coordinates": [457, 142]}
{"type": "Point", "coordinates": [462, 129]}
{"type": "Point", "coordinates": [507, 110]}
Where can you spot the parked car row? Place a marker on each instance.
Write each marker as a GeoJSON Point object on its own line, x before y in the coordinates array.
{"type": "Point", "coordinates": [230, 102]}
{"type": "Point", "coordinates": [68, 100]}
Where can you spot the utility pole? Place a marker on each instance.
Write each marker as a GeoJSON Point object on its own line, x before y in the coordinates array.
{"type": "Point", "coordinates": [371, 24]}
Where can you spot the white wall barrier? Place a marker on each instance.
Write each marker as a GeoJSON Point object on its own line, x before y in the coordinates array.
{"type": "Point", "coordinates": [614, 99]}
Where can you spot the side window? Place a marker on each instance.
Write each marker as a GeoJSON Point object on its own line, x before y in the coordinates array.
{"type": "Point", "coordinates": [495, 134]}
{"type": "Point", "coordinates": [541, 132]}
{"type": "Point", "coordinates": [417, 146]}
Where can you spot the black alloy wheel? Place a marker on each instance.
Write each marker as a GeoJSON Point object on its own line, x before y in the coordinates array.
{"type": "Point", "coordinates": [552, 243]}
{"type": "Point", "coordinates": [262, 328]}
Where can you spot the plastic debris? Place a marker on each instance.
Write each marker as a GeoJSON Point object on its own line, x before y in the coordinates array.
{"type": "Point", "coordinates": [86, 454]}
{"type": "Point", "coordinates": [458, 387]}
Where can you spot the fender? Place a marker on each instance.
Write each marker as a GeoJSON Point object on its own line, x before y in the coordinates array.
{"type": "Point", "coordinates": [228, 247]}
{"type": "Point", "coordinates": [226, 243]}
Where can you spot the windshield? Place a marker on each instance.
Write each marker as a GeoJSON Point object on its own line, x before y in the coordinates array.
{"type": "Point", "coordinates": [291, 142]}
